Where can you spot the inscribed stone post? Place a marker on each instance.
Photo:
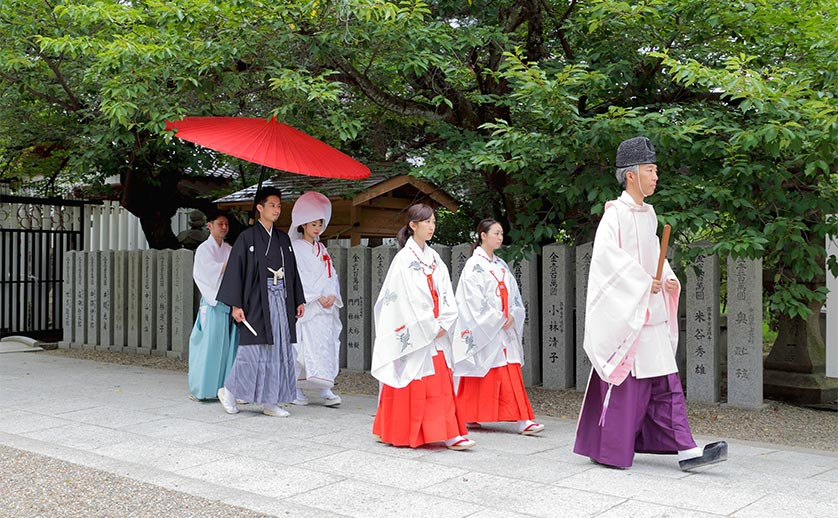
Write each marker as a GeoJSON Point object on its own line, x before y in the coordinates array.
{"type": "Point", "coordinates": [459, 255]}
{"type": "Point", "coordinates": [445, 254]}
{"type": "Point", "coordinates": [181, 307]}
{"type": "Point", "coordinates": [148, 302]}
{"type": "Point", "coordinates": [92, 306]}
{"type": "Point", "coordinates": [163, 318]}
{"type": "Point", "coordinates": [339, 261]}
{"type": "Point", "coordinates": [80, 299]}
{"type": "Point", "coordinates": [831, 313]}
{"type": "Point", "coordinates": [702, 341]}
{"type": "Point", "coordinates": [744, 332]}
{"type": "Point", "coordinates": [119, 306]}
{"type": "Point", "coordinates": [105, 300]}
{"type": "Point", "coordinates": [359, 310]}
{"type": "Point", "coordinates": [583, 267]}
{"type": "Point", "coordinates": [134, 301]}
{"type": "Point", "coordinates": [381, 256]}
{"type": "Point", "coordinates": [67, 299]}
{"type": "Point", "coordinates": [526, 273]}
{"type": "Point", "coordinates": [557, 333]}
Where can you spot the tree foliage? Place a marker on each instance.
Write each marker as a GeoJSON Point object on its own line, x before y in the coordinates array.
{"type": "Point", "coordinates": [516, 106]}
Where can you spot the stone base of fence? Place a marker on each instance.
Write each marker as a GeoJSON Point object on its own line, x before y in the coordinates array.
{"type": "Point", "coordinates": [138, 302]}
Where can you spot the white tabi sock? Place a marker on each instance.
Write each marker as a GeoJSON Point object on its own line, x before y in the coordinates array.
{"type": "Point", "coordinates": [692, 453]}
{"type": "Point", "coordinates": [454, 440]}
{"type": "Point", "coordinates": [523, 424]}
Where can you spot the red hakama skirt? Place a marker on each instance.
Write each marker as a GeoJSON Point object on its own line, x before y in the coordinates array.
{"type": "Point", "coordinates": [498, 396]}
{"type": "Point", "coordinates": [424, 411]}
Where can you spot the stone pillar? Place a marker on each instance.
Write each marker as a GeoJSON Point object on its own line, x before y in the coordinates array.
{"type": "Point", "coordinates": [359, 310]}
{"type": "Point", "coordinates": [382, 256]}
{"type": "Point", "coordinates": [557, 337]}
{"type": "Point", "coordinates": [119, 306]}
{"type": "Point", "coordinates": [92, 306]}
{"type": "Point", "coordinates": [744, 332]}
{"type": "Point", "coordinates": [459, 255]}
{"type": "Point", "coordinates": [526, 273]}
{"type": "Point", "coordinates": [583, 267]}
{"type": "Point", "coordinates": [148, 302]}
{"type": "Point", "coordinates": [67, 299]}
{"type": "Point", "coordinates": [106, 288]}
{"type": "Point", "coordinates": [831, 314]}
{"type": "Point", "coordinates": [339, 261]}
{"type": "Point", "coordinates": [181, 308]}
{"type": "Point", "coordinates": [134, 302]}
{"type": "Point", "coordinates": [702, 331]}
{"type": "Point", "coordinates": [445, 254]}
{"type": "Point", "coordinates": [80, 300]}
{"type": "Point", "coordinates": [163, 319]}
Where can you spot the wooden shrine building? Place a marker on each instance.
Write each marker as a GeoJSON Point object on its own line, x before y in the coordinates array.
{"type": "Point", "coordinates": [372, 208]}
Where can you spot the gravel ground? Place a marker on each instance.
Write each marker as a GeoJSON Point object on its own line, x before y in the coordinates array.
{"type": "Point", "coordinates": [777, 423]}
{"type": "Point", "coordinates": [39, 486]}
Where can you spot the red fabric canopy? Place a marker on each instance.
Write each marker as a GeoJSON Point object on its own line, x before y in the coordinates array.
{"type": "Point", "coordinates": [269, 143]}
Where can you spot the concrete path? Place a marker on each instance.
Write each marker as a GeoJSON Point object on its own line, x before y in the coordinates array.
{"type": "Point", "coordinates": [138, 423]}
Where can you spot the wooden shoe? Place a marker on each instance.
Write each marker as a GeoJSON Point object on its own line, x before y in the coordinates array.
{"type": "Point", "coordinates": [532, 429]}
{"type": "Point", "coordinates": [713, 453]}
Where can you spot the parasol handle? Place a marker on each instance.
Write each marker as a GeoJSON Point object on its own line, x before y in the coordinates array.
{"type": "Point", "coordinates": [667, 230]}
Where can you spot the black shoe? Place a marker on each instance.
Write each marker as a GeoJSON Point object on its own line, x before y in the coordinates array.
{"type": "Point", "coordinates": [713, 453]}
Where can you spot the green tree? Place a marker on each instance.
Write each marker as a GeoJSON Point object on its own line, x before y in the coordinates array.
{"type": "Point", "coordinates": [517, 105]}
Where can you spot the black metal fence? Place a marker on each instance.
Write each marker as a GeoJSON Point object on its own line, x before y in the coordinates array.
{"type": "Point", "coordinates": [34, 236]}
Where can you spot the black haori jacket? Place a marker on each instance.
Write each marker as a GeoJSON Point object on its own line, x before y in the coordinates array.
{"type": "Point", "coordinates": [244, 284]}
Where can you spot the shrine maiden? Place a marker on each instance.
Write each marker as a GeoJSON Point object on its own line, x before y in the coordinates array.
{"type": "Point", "coordinates": [487, 338]}
{"type": "Point", "coordinates": [318, 332]}
{"type": "Point", "coordinates": [414, 314]}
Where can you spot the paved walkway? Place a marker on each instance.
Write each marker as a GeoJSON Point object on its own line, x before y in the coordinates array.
{"type": "Point", "coordinates": [138, 423]}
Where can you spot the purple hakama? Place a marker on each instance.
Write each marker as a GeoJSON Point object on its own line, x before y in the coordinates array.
{"type": "Point", "coordinates": [265, 373]}
{"type": "Point", "coordinates": [643, 416]}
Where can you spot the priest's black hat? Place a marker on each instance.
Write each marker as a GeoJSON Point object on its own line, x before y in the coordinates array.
{"type": "Point", "coordinates": [637, 150]}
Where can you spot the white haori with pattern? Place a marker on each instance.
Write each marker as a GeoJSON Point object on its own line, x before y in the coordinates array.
{"type": "Point", "coordinates": [405, 326]}
{"type": "Point", "coordinates": [479, 339]}
{"type": "Point", "coordinates": [318, 332]}
{"type": "Point", "coordinates": [208, 267]}
{"type": "Point", "coordinates": [623, 319]}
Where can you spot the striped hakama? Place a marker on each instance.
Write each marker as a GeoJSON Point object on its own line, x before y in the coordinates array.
{"type": "Point", "coordinates": [265, 373]}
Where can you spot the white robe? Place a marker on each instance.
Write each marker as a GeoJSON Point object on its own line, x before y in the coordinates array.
{"type": "Point", "coordinates": [208, 269]}
{"type": "Point", "coordinates": [318, 332]}
{"type": "Point", "coordinates": [405, 326]}
{"type": "Point", "coordinates": [627, 329]}
{"type": "Point", "coordinates": [479, 339]}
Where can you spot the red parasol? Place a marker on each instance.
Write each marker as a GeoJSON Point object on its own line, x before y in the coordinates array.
{"type": "Point", "coordinates": [269, 143]}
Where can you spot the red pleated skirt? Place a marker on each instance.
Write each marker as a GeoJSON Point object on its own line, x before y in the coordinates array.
{"type": "Point", "coordinates": [498, 396]}
{"type": "Point", "coordinates": [425, 411]}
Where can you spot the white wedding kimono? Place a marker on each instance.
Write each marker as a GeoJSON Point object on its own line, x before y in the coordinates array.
{"type": "Point", "coordinates": [627, 328]}
{"type": "Point", "coordinates": [318, 332]}
{"type": "Point", "coordinates": [479, 339]}
{"type": "Point", "coordinates": [405, 325]}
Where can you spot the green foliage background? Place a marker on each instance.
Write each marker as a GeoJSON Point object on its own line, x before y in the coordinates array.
{"type": "Point", "coordinates": [515, 106]}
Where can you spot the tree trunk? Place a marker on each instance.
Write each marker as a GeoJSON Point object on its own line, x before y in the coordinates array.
{"type": "Point", "coordinates": [154, 200]}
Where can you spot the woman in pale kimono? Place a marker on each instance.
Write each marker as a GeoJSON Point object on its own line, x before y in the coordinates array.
{"type": "Point", "coordinates": [214, 338]}
{"type": "Point", "coordinates": [318, 332]}
{"type": "Point", "coordinates": [411, 358]}
{"type": "Point", "coordinates": [487, 340]}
